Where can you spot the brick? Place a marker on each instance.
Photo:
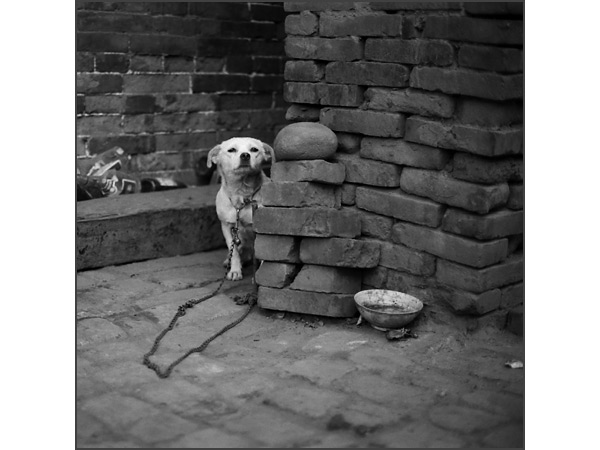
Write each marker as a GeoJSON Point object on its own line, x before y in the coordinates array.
{"type": "Point", "coordinates": [303, 302]}
{"type": "Point", "coordinates": [371, 123]}
{"type": "Point", "coordinates": [408, 6]}
{"type": "Point", "coordinates": [267, 64]}
{"type": "Point", "coordinates": [494, 8]}
{"type": "Point", "coordinates": [187, 102]}
{"type": "Point", "coordinates": [303, 24]}
{"type": "Point", "coordinates": [327, 279]}
{"type": "Point", "coordinates": [367, 73]}
{"type": "Point", "coordinates": [375, 225]}
{"type": "Point", "coordinates": [399, 257]}
{"type": "Point", "coordinates": [348, 143]}
{"type": "Point", "coordinates": [132, 144]}
{"type": "Point", "coordinates": [84, 62]}
{"type": "Point", "coordinates": [324, 94]}
{"type": "Point", "coordinates": [146, 63]}
{"type": "Point", "coordinates": [398, 151]}
{"type": "Point", "coordinates": [339, 252]}
{"type": "Point", "coordinates": [150, 84]}
{"type": "Point", "coordinates": [316, 222]}
{"type": "Point", "coordinates": [333, 24]}
{"type": "Point", "coordinates": [475, 280]}
{"type": "Point", "coordinates": [423, 103]}
{"type": "Point", "coordinates": [185, 141]}
{"type": "Point", "coordinates": [487, 170]}
{"type": "Point", "coordinates": [252, 30]}
{"type": "Point", "coordinates": [415, 285]}
{"type": "Point", "coordinates": [342, 49]}
{"type": "Point", "coordinates": [413, 51]}
{"type": "Point", "coordinates": [464, 302]}
{"type": "Point", "coordinates": [448, 246]}
{"type": "Point", "coordinates": [99, 83]}
{"type": "Point", "coordinates": [491, 226]}
{"type": "Point", "coordinates": [487, 85]}
{"type": "Point", "coordinates": [139, 104]}
{"type": "Point", "coordinates": [266, 83]}
{"type": "Point", "coordinates": [303, 71]}
{"type": "Point", "coordinates": [112, 62]}
{"type": "Point", "coordinates": [303, 113]}
{"type": "Point", "coordinates": [493, 59]}
{"type": "Point", "coordinates": [483, 112]}
{"type": "Point", "coordinates": [277, 248]}
{"type": "Point", "coordinates": [468, 29]}
{"type": "Point", "coordinates": [372, 173]}
{"type": "Point", "coordinates": [301, 93]}
{"type": "Point", "coordinates": [515, 321]}
{"type": "Point", "coordinates": [515, 243]}
{"type": "Point", "coordinates": [156, 44]}
{"type": "Point", "coordinates": [516, 198]}
{"type": "Point", "coordinates": [229, 102]}
{"type": "Point", "coordinates": [107, 104]}
{"type": "Point", "coordinates": [512, 295]}
{"type": "Point", "coordinates": [80, 104]}
{"type": "Point", "coordinates": [300, 194]}
{"type": "Point", "coordinates": [394, 203]}
{"type": "Point", "coordinates": [314, 170]}
{"type": "Point", "coordinates": [220, 82]}
{"type": "Point", "coordinates": [276, 274]}
{"type": "Point", "coordinates": [438, 186]}
{"type": "Point", "coordinates": [348, 194]}
{"type": "Point", "coordinates": [273, 12]}
{"type": "Point", "coordinates": [98, 125]}
{"type": "Point", "coordinates": [102, 42]}
{"type": "Point", "coordinates": [226, 10]}
{"type": "Point", "coordinates": [468, 138]}
{"type": "Point", "coordinates": [317, 6]}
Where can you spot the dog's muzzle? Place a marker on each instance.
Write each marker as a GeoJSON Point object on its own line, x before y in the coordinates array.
{"type": "Point", "coordinates": [245, 159]}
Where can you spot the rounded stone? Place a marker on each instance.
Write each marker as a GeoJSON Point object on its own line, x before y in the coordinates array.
{"type": "Point", "coordinates": [305, 140]}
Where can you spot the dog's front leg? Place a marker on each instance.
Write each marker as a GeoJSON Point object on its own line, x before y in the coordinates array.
{"type": "Point", "coordinates": [235, 270]}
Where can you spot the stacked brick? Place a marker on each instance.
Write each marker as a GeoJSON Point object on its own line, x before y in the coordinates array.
{"type": "Point", "coordinates": [426, 102]}
{"type": "Point", "coordinates": [168, 81]}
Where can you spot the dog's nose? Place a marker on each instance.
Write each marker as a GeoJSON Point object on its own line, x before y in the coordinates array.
{"type": "Point", "coordinates": [245, 156]}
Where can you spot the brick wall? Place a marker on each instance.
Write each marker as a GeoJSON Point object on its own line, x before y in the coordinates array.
{"type": "Point", "coordinates": [168, 81]}
{"type": "Point", "coordinates": [426, 100]}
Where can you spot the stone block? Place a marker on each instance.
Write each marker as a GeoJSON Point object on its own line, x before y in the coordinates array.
{"type": "Point", "coordinates": [475, 111]}
{"type": "Point", "coordinates": [495, 225]}
{"type": "Point", "coordinates": [339, 252]}
{"type": "Point", "coordinates": [304, 24]}
{"type": "Point", "coordinates": [304, 141]}
{"type": "Point", "coordinates": [516, 198]}
{"type": "Point", "coordinates": [480, 169]}
{"type": "Point", "coordinates": [304, 302]}
{"type": "Point", "coordinates": [348, 143]}
{"type": "Point", "coordinates": [464, 302]}
{"type": "Point", "coordinates": [316, 222]}
{"type": "Point", "coordinates": [303, 113]}
{"type": "Point", "coordinates": [366, 171]}
{"type": "Point", "coordinates": [513, 295]}
{"type": "Point", "coordinates": [348, 194]}
{"type": "Point", "coordinates": [367, 73]}
{"type": "Point", "coordinates": [410, 51]}
{"type": "Point", "coordinates": [303, 71]}
{"type": "Point", "coordinates": [340, 49]}
{"type": "Point", "coordinates": [404, 153]}
{"type": "Point", "coordinates": [277, 248]}
{"type": "Point", "coordinates": [399, 257]}
{"type": "Point", "coordinates": [470, 29]}
{"type": "Point", "coordinates": [300, 194]}
{"type": "Point", "coordinates": [318, 171]}
{"type": "Point", "coordinates": [375, 225]}
{"type": "Point", "coordinates": [414, 101]}
{"type": "Point", "coordinates": [275, 274]}
{"type": "Point", "coordinates": [371, 123]}
{"type": "Point", "coordinates": [355, 23]}
{"type": "Point", "coordinates": [327, 279]}
{"type": "Point", "coordinates": [492, 59]}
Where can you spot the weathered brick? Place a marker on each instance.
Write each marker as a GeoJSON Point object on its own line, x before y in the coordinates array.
{"type": "Point", "coordinates": [228, 102]}
{"type": "Point", "coordinates": [157, 44]}
{"type": "Point", "coordinates": [304, 302]}
{"type": "Point", "coordinates": [150, 84]}
{"type": "Point", "coordinates": [464, 302]}
{"type": "Point", "coordinates": [348, 193]}
{"type": "Point", "coordinates": [304, 24]}
{"type": "Point", "coordinates": [339, 252]}
{"type": "Point", "coordinates": [399, 257]}
{"type": "Point", "coordinates": [404, 153]}
{"type": "Point", "coordinates": [220, 82]}
{"type": "Point", "coordinates": [179, 64]}
{"type": "Point", "coordinates": [276, 274]}
{"type": "Point", "coordinates": [300, 194]}
{"type": "Point", "coordinates": [132, 144]}
{"type": "Point", "coordinates": [146, 63]}
{"type": "Point", "coordinates": [468, 138]}
{"type": "Point", "coordinates": [107, 104]}
{"type": "Point", "coordinates": [341, 49]}
{"type": "Point", "coordinates": [327, 279]}
{"type": "Point", "coordinates": [424, 103]}
{"type": "Point", "coordinates": [324, 94]}
{"type": "Point", "coordinates": [448, 246]}
{"type": "Point", "coordinates": [140, 104]}
{"type": "Point", "coordinates": [316, 222]}
{"type": "Point", "coordinates": [99, 83]}
{"type": "Point", "coordinates": [515, 320]}
{"type": "Point", "coordinates": [408, 6]}
{"type": "Point", "coordinates": [102, 42]}
{"type": "Point", "coordinates": [480, 169]}
{"type": "Point", "coordinates": [438, 186]}
{"type": "Point", "coordinates": [491, 226]}
{"type": "Point", "coordinates": [303, 113]}
{"type": "Point", "coordinates": [317, 6]}
{"type": "Point", "coordinates": [301, 93]}
{"type": "Point", "coordinates": [484, 31]}
{"type": "Point", "coordinates": [185, 141]}
{"type": "Point", "coordinates": [413, 51]}
{"type": "Point", "coordinates": [516, 198]}
{"type": "Point", "coordinates": [112, 62]}
{"type": "Point", "coordinates": [493, 59]}
{"type": "Point", "coordinates": [348, 143]}
{"type": "Point", "coordinates": [272, 12]}
{"type": "Point", "coordinates": [303, 71]}
{"type": "Point", "coordinates": [416, 285]}
{"type": "Point", "coordinates": [483, 112]}
{"type": "Point", "coordinates": [313, 170]}
{"type": "Point", "coordinates": [359, 23]}
{"type": "Point", "coordinates": [367, 73]}
{"type": "Point", "coordinates": [487, 85]}
{"type": "Point", "coordinates": [277, 248]}
{"type": "Point", "coordinates": [373, 173]}
{"type": "Point", "coordinates": [84, 62]}
{"type": "Point", "coordinates": [480, 280]}
{"type": "Point", "coordinates": [266, 83]}
{"type": "Point", "coordinates": [375, 225]}
{"type": "Point", "coordinates": [371, 123]}
{"type": "Point", "coordinates": [515, 243]}
{"type": "Point", "coordinates": [395, 203]}
{"type": "Point", "coordinates": [494, 8]}
{"type": "Point", "coordinates": [98, 125]}
{"type": "Point", "coordinates": [512, 295]}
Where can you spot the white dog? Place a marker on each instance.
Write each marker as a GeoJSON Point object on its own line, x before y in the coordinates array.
{"type": "Point", "coordinates": [240, 163]}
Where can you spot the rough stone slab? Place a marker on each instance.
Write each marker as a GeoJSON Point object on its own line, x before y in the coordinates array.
{"type": "Point", "coordinates": [480, 280]}
{"type": "Point", "coordinates": [440, 187]}
{"type": "Point", "coordinates": [366, 171]}
{"type": "Point", "coordinates": [277, 248]}
{"type": "Point", "coordinates": [327, 279]}
{"type": "Point", "coordinates": [276, 275]}
{"type": "Point", "coordinates": [449, 246]}
{"type": "Point", "coordinates": [399, 257]}
{"type": "Point", "coordinates": [395, 203]}
{"type": "Point", "coordinates": [318, 171]}
{"type": "Point", "coordinates": [480, 169]}
{"type": "Point", "coordinates": [339, 252]}
{"type": "Point", "coordinates": [300, 194]}
{"type": "Point", "coordinates": [404, 153]}
{"type": "Point", "coordinates": [315, 222]}
{"type": "Point", "coordinates": [516, 198]}
{"type": "Point", "coordinates": [513, 295]}
{"type": "Point", "coordinates": [464, 302]}
{"type": "Point", "coordinates": [467, 138]}
{"type": "Point", "coordinates": [371, 123]}
{"type": "Point", "coordinates": [414, 101]}
{"type": "Point", "coordinates": [304, 302]}
{"type": "Point", "coordinates": [375, 225]}
{"type": "Point", "coordinates": [490, 226]}
{"type": "Point", "coordinates": [134, 227]}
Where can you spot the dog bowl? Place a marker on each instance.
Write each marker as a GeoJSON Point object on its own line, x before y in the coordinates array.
{"type": "Point", "coordinates": [387, 310]}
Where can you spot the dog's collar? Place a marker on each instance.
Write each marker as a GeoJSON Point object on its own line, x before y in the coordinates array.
{"type": "Point", "coordinates": [246, 200]}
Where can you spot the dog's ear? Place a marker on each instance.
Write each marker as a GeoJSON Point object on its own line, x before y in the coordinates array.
{"type": "Point", "coordinates": [270, 153]}
{"type": "Point", "coordinates": [212, 155]}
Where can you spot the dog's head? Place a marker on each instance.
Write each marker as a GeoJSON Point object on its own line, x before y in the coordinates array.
{"type": "Point", "coordinates": [241, 155]}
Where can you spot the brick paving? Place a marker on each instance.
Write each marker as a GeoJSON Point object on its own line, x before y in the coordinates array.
{"type": "Point", "coordinates": [278, 380]}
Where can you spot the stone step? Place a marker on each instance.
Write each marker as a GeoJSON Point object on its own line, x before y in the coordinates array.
{"type": "Point", "coordinates": [136, 227]}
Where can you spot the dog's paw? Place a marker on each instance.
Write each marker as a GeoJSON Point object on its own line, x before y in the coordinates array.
{"type": "Point", "coordinates": [234, 275]}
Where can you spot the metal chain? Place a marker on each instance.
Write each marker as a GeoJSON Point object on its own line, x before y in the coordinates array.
{"type": "Point", "coordinates": [181, 310]}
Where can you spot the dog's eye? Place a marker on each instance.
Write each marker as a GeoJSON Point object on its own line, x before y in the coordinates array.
{"type": "Point", "coordinates": [231, 150]}
{"type": "Point", "coordinates": [253, 149]}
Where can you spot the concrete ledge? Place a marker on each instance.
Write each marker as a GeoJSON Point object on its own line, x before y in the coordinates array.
{"type": "Point", "coordinates": [136, 227]}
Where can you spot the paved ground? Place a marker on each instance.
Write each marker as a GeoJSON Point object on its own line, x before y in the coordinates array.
{"type": "Point", "coordinates": [278, 380]}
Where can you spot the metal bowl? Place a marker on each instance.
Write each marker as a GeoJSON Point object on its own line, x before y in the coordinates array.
{"type": "Point", "coordinates": [387, 310]}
